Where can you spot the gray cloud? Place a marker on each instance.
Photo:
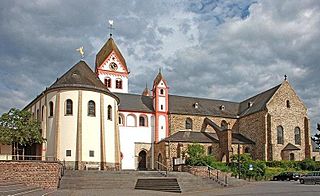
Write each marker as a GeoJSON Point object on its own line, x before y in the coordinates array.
{"type": "Point", "coordinates": [218, 49]}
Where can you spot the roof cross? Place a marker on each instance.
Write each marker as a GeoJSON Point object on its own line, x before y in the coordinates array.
{"type": "Point", "coordinates": [111, 28]}
{"type": "Point", "coordinates": [285, 77]}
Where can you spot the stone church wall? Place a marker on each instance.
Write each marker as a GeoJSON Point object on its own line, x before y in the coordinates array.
{"type": "Point", "coordinates": [289, 118]}
{"type": "Point", "coordinates": [177, 122]}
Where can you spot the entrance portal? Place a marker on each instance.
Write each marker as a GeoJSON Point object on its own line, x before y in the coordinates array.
{"type": "Point", "coordinates": [142, 165]}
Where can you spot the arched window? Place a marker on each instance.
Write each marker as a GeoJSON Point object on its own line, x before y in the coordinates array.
{"type": "Point", "coordinates": [224, 125]}
{"type": "Point", "coordinates": [161, 91]}
{"type": "Point", "coordinates": [109, 112]}
{"type": "Point", "coordinates": [297, 136]}
{"type": "Point", "coordinates": [121, 122]}
{"type": "Point", "coordinates": [288, 103]}
{"type": "Point", "coordinates": [50, 109]}
{"type": "Point", "coordinates": [69, 107]}
{"type": "Point", "coordinates": [143, 121]}
{"type": "Point", "coordinates": [131, 120]}
{"type": "Point", "coordinates": [91, 108]}
{"type": "Point", "coordinates": [280, 135]}
{"type": "Point", "coordinates": [42, 112]}
{"type": "Point", "coordinates": [188, 123]}
{"type": "Point", "coordinates": [118, 83]}
{"type": "Point", "coordinates": [38, 114]}
{"type": "Point", "coordinates": [107, 82]}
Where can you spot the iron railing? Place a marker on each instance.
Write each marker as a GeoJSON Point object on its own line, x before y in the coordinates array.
{"type": "Point", "coordinates": [218, 176]}
{"type": "Point", "coordinates": [161, 168]}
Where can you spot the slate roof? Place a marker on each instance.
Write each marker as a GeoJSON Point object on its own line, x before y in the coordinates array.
{"type": "Point", "coordinates": [258, 102]}
{"type": "Point", "coordinates": [204, 137]}
{"type": "Point", "coordinates": [79, 75]}
{"type": "Point", "coordinates": [158, 78]}
{"type": "Point", "coordinates": [185, 105]}
{"type": "Point", "coordinates": [290, 147]}
{"type": "Point", "coordinates": [206, 107]}
{"type": "Point", "coordinates": [133, 102]}
{"type": "Point", "coordinates": [192, 136]}
{"type": "Point", "coordinates": [104, 52]}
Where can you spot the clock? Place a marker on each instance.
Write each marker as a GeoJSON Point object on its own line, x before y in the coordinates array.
{"type": "Point", "coordinates": [113, 66]}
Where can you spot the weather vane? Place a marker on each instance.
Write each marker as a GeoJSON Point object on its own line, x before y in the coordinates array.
{"type": "Point", "coordinates": [111, 27]}
{"type": "Point", "coordinates": [285, 77]}
{"type": "Point", "coordinates": [81, 51]}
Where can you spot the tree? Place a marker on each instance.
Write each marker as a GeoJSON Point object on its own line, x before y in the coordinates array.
{"type": "Point", "coordinates": [317, 135]}
{"type": "Point", "coordinates": [17, 127]}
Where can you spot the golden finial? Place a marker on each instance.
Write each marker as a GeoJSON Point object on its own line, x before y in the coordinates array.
{"type": "Point", "coordinates": [81, 51]}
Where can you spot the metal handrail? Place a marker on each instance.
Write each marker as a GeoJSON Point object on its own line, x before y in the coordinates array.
{"type": "Point", "coordinates": [217, 177]}
{"type": "Point", "coordinates": [166, 168]}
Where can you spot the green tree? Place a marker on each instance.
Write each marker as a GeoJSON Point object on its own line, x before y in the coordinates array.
{"type": "Point", "coordinates": [17, 127]}
{"type": "Point", "coordinates": [317, 136]}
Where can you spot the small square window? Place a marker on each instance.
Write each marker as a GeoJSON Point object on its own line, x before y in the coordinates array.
{"type": "Point", "coordinates": [91, 153]}
{"type": "Point", "coordinates": [161, 106]}
{"type": "Point", "coordinates": [68, 153]}
{"type": "Point", "coordinates": [161, 127]}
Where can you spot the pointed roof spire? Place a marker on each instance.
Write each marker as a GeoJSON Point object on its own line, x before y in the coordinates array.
{"type": "Point", "coordinates": [146, 91]}
{"type": "Point", "coordinates": [158, 78]}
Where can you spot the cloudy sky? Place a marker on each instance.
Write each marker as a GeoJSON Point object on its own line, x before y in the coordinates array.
{"type": "Point", "coordinates": [221, 49]}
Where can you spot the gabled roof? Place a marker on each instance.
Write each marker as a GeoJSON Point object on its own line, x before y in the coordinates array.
{"type": "Point", "coordinates": [290, 147]}
{"type": "Point", "coordinates": [80, 75]}
{"type": "Point", "coordinates": [186, 105]}
{"type": "Point", "coordinates": [258, 102]}
{"type": "Point", "coordinates": [204, 137]}
{"type": "Point", "coordinates": [105, 51]}
{"type": "Point", "coordinates": [133, 102]}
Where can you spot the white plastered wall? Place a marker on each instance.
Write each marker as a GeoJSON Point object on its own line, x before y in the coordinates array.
{"type": "Point", "coordinates": [130, 135]}
{"type": "Point", "coordinates": [68, 125]}
{"type": "Point", "coordinates": [90, 127]}
{"type": "Point", "coordinates": [162, 127]}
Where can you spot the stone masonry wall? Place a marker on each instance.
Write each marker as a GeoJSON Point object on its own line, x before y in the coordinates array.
{"type": "Point", "coordinates": [41, 174]}
{"type": "Point", "coordinates": [288, 118]}
{"type": "Point", "coordinates": [177, 122]}
{"type": "Point", "coordinates": [254, 127]}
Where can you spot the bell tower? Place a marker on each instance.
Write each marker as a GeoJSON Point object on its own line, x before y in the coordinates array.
{"type": "Point", "coordinates": [160, 104]}
{"type": "Point", "coordinates": [111, 67]}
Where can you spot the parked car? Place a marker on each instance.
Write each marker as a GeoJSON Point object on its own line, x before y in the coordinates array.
{"type": "Point", "coordinates": [310, 178]}
{"type": "Point", "coordinates": [287, 176]}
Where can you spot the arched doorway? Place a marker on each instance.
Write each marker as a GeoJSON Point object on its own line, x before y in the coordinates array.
{"type": "Point", "coordinates": [291, 157]}
{"type": "Point", "coordinates": [142, 165]}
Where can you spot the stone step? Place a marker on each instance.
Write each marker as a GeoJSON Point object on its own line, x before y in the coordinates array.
{"type": "Point", "coordinates": [160, 184]}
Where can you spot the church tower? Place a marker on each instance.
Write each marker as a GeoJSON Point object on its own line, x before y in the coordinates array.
{"type": "Point", "coordinates": [160, 104]}
{"type": "Point", "coordinates": [111, 67]}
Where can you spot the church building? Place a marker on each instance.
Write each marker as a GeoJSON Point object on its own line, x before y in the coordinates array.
{"type": "Point", "coordinates": [90, 119]}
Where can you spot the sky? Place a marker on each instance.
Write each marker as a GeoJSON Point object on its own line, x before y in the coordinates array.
{"type": "Point", "coordinates": [219, 49]}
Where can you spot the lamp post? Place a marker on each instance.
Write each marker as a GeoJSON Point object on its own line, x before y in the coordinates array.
{"type": "Point", "coordinates": [239, 159]}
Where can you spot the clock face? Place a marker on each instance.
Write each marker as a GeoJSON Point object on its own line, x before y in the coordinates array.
{"type": "Point", "coordinates": [113, 66]}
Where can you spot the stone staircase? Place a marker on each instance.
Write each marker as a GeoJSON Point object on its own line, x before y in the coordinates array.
{"type": "Point", "coordinates": [16, 188]}
{"type": "Point", "coordinates": [176, 182]}
{"type": "Point", "coordinates": [159, 184]}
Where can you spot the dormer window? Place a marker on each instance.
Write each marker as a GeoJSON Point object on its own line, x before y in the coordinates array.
{"type": "Point", "coordinates": [250, 104]}
{"type": "Point", "coordinates": [196, 105]}
{"type": "Point", "coordinates": [288, 103]}
{"type": "Point", "coordinates": [222, 107]}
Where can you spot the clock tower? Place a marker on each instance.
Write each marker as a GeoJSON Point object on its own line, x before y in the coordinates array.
{"type": "Point", "coordinates": [111, 68]}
